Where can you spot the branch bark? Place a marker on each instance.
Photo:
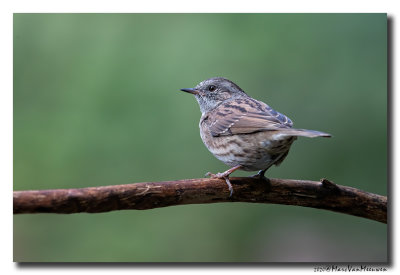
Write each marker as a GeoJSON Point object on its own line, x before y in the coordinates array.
{"type": "Point", "coordinates": [148, 195]}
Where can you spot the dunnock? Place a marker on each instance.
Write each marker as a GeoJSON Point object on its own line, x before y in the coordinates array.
{"type": "Point", "coordinates": [242, 132]}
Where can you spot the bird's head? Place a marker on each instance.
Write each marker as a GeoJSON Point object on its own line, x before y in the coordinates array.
{"type": "Point", "coordinates": [212, 92]}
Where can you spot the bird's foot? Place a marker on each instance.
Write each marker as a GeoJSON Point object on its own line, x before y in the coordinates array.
{"type": "Point", "coordinates": [217, 175]}
{"type": "Point", "coordinates": [260, 175]}
{"type": "Point", "coordinates": [225, 176]}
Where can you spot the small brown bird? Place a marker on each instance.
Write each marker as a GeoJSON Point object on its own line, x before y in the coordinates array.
{"type": "Point", "coordinates": [242, 132]}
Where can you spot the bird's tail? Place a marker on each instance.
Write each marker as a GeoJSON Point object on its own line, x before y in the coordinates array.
{"type": "Point", "coordinates": [303, 133]}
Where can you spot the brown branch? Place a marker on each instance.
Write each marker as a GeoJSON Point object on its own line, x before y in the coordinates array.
{"type": "Point", "coordinates": [148, 195]}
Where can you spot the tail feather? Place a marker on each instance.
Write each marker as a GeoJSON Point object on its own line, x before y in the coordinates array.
{"type": "Point", "coordinates": [303, 133]}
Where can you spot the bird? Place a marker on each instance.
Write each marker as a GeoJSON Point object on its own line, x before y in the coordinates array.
{"type": "Point", "coordinates": [242, 132]}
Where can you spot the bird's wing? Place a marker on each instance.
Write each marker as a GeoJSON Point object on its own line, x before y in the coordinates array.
{"type": "Point", "coordinates": [244, 116]}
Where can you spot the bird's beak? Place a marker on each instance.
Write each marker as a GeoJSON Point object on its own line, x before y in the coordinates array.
{"type": "Point", "coordinates": [190, 91]}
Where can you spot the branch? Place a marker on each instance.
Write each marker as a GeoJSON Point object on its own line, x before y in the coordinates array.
{"type": "Point", "coordinates": [148, 195]}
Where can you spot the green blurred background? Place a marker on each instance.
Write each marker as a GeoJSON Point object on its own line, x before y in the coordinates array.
{"type": "Point", "coordinates": [97, 102]}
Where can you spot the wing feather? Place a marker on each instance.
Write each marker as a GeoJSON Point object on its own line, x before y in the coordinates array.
{"type": "Point", "coordinates": [244, 116]}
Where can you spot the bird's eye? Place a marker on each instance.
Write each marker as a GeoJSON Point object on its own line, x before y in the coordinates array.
{"type": "Point", "coordinates": [212, 88]}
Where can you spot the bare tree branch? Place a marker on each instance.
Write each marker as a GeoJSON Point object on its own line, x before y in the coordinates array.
{"type": "Point", "coordinates": [148, 195]}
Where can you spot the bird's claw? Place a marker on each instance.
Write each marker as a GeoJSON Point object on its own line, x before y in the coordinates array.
{"type": "Point", "coordinates": [259, 177]}
{"type": "Point", "coordinates": [209, 174]}
{"type": "Point", "coordinates": [222, 176]}
{"type": "Point", "coordinates": [216, 176]}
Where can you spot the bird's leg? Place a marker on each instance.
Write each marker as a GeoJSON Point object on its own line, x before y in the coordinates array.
{"type": "Point", "coordinates": [260, 174]}
{"type": "Point", "coordinates": [225, 176]}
